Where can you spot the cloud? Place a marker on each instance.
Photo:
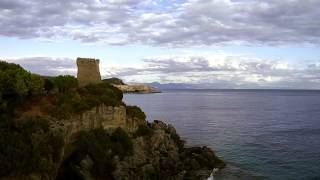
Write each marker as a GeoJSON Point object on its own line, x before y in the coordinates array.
{"type": "Point", "coordinates": [225, 71]}
{"type": "Point", "coordinates": [215, 70]}
{"type": "Point", "coordinates": [48, 66]}
{"type": "Point", "coordinates": [160, 23]}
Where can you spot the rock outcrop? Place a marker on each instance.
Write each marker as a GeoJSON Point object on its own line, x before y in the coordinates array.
{"type": "Point", "coordinates": [159, 155]}
{"type": "Point", "coordinates": [98, 117]}
{"type": "Point", "coordinates": [163, 155]}
{"type": "Point", "coordinates": [137, 88]}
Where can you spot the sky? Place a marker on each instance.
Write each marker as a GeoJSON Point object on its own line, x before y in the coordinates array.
{"type": "Point", "coordinates": [217, 43]}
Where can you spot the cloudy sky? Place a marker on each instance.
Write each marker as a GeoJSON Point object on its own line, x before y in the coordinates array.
{"type": "Point", "coordinates": [223, 43]}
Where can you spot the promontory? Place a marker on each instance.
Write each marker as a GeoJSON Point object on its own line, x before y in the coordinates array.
{"type": "Point", "coordinates": [68, 128]}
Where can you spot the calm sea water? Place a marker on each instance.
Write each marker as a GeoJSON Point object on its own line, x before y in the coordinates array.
{"type": "Point", "coordinates": [273, 134]}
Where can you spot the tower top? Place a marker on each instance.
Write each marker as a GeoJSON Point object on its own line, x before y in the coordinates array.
{"type": "Point", "coordinates": [87, 60]}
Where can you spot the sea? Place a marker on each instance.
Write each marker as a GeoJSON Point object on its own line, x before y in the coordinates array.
{"type": "Point", "coordinates": [260, 134]}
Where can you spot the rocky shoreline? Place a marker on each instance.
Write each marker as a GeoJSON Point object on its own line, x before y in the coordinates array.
{"type": "Point", "coordinates": [159, 153]}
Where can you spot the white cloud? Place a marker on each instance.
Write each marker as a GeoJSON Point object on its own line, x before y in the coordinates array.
{"type": "Point", "coordinates": [216, 70]}
{"type": "Point", "coordinates": [161, 23]}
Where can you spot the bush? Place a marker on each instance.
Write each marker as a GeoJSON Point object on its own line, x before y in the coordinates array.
{"type": "Point", "coordinates": [144, 130]}
{"type": "Point", "coordinates": [121, 143]}
{"type": "Point", "coordinates": [96, 144]}
{"type": "Point", "coordinates": [65, 83]}
{"type": "Point", "coordinates": [64, 104]}
{"type": "Point", "coordinates": [35, 84]}
{"type": "Point", "coordinates": [16, 84]}
{"type": "Point", "coordinates": [114, 80]}
{"type": "Point", "coordinates": [104, 89]}
{"type": "Point", "coordinates": [176, 138]}
{"type": "Point", "coordinates": [28, 147]}
{"type": "Point", "coordinates": [101, 147]}
{"type": "Point", "coordinates": [48, 85]}
{"type": "Point", "coordinates": [135, 111]}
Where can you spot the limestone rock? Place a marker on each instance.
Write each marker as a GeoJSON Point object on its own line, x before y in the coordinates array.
{"type": "Point", "coordinates": [159, 156]}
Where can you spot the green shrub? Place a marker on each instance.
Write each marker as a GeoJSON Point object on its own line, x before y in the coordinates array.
{"type": "Point", "coordinates": [16, 84]}
{"type": "Point", "coordinates": [96, 144]}
{"type": "Point", "coordinates": [144, 130]}
{"type": "Point", "coordinates": [121, 143]}
{"type": "Point", "coordinates": [114, 80]}
{"type": "Point", "coordinates": [65, 83]}
{"type": "Point", "coordinates": [101, 147]}
{"type": "Point", "coordinates": [135, 111]}
{"type": "Point", "coordinates": [35, 84]}
{"type": "Point", "coordinates": [28, 147]}
{"type": "Point", "coordinates": [104, 89]}
{"type": "Point", "coordinates": [48, 85]}
{"type": "Point", "coordinates": [64, 104]}
{"type": "Point", "coordinates": [176, 138]}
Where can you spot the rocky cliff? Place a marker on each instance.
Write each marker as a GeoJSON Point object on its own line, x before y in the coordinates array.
{"type": "Point", "coordinates": [105, 117]}
{"type": "Point", "coordinates": [157, 150]}
{"type": "Point", "coordinates": [162, 155]}
{"type": "Point", "coordinates": [157, 154]}
{"type": "Point", "coordinates": [101, 117]}
{"type": "Point", "coordinates": [53, 129]}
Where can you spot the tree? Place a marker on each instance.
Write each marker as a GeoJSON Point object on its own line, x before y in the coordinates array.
{"type": "Point", "coordinates": [17, 84]}
{"type": "Point", "coordinates": [65, 83]}
{"type": "Point", "coordinates": [35, 84]}
{"type": "Point", "coordinates": [48, 85]}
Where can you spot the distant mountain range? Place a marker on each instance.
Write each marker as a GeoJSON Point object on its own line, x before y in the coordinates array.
{"type": "Point", "coordinates": [218, 85]}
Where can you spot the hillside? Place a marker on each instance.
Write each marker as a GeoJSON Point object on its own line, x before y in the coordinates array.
{"type": "Point", "coordinates": [50, 128]}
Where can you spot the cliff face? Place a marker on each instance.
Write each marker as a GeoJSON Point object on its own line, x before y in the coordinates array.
{"type": "Point", "coordinates": [158, 152]}
{"type": "Point", "coordinates": [100, 117]}
{"type": "Point", "coordinates": [159, 155]}
{"type": "Point", "coordinates": [105, 117]}
{"type": "Point", "coordinates": [139, 88]}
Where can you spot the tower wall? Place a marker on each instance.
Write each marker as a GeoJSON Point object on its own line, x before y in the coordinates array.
{"type": "Point", "coordinates": [88, 71]}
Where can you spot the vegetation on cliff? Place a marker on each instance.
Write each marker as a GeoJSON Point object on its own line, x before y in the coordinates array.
{"type": "Point", "coordinates": [75, 100]}
{"type": "Point", "coordinates": [101, 147]}
{"type": "Point", "coordinates": [29, 145]}
{"type": "Point", "coordinates": [60, 96]}
{"type": "Point", "coordinates": [114, 80]}
{"type": "Point", "coordinates": [16, 85]}
{"type": "Point", "coordinates": [135, 111]}
{"type": "Point", "coordinates": [154, 151]}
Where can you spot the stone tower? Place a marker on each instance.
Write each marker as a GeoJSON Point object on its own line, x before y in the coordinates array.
{"type": "Point", "coordinates": [88, 71]}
